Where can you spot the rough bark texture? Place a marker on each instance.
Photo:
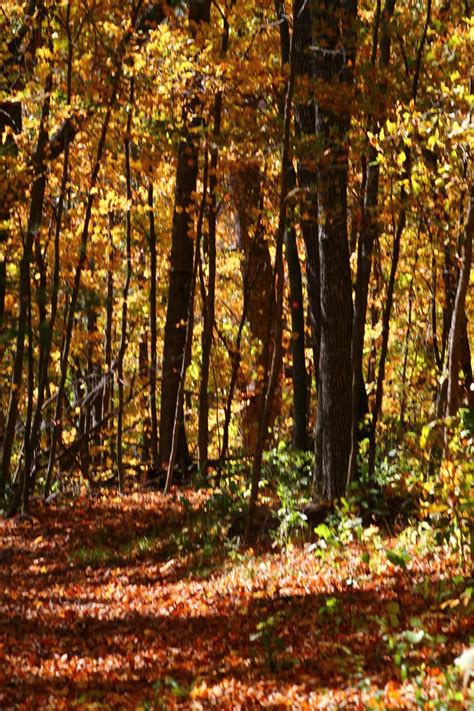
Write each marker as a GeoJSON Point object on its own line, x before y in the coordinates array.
{"type": "Point", "coordinates": [181, 271]}
{"type": "Point", "coordinates": [335, 31]}
{"type": "Point", "coordinates": [245, 188]}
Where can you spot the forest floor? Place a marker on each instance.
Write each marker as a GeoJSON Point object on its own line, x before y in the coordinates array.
{"type": "Point", "coordinates": [115, 602]}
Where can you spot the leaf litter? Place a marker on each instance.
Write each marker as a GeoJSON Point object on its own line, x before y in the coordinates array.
{"type": "Point", "coordinates": [101, 609]}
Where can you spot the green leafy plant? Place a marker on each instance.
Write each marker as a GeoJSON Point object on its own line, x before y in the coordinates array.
{"type": "Point", "coordinates": [292, 472]}
{"type": "Point", "coordinates": [272, 644]}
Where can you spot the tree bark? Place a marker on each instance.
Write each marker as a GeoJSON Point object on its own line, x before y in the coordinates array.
{"type": "Point", "coordinates": [34, 223]}
{"type": "Point", "coordinates": [181, 270]}
{"type": "Point", "coordinates": [298, 367]}
{"type": "Point", "coordinates": [153, 335]}
{"type": "Point", "coordinates": [368, 234]}
{"type": "Point", "coordinates": [210, 296]}
{"type": "Point", "coordinates": [335, 56]}
{"type": "Point", "coordinates": [126, 287]}
{"type": "Point", "coordinates": [278, 280]}
{"type": "Point", "coordinates": [246, 192]}
{"type": "Point", "coordinates": [456, 330]}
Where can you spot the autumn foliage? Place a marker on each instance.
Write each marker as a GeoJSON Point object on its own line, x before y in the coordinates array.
{"type": "Point", "coordinates": [235, 260]}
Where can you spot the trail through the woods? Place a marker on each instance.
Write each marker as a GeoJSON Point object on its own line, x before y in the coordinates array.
{"type": "Point", "coordinates": [115, 603]}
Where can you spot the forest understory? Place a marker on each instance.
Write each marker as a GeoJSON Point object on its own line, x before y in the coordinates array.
{"type": "Point", "coordinates": [236, 372]}
{"type": "Point", "coordinates": [141, 601]}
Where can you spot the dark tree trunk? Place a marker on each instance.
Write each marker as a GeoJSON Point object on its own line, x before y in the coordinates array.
{"type": "Point", "coordinates": [335, 29]}
{"type": "Point", "coordinates": [455, 349]}
{"type": "Point", "coordinates": [246, 192]}
{"type": "Point", "coordinates": [126, 287]}
{"type": "Point", "coordinates": [305, 124]}
{"type": "Point", "coordinates": [34, 223]}
{"type": "Point", "coordinates": [298, 371]}
{"type": "Point", "coordinates": [278, 283]}
{"type": "Point", "coordinates": [107, 393]}
{"type": "Point", "coordinates": [143, 374]}
{"type": "Point", "coordinates": [209, 296]}
{"type": "Point", "coordinates": [153, 336]}
{"type": "Point", "coordinates": [181, 272]}
{"type": "Point", "coordinates": [368, 235]}
{"type": "Point", "coordinates": [188, 336]}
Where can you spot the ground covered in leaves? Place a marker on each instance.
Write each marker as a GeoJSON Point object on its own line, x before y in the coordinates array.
{"type": "Point", "coordinates": [116, 602]}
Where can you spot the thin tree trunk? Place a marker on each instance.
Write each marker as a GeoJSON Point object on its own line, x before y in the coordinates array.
{"type": "Point", "coordinates": [144, 389]}
{"type": "Point", "coordinates": [278, 287]}
{"type": "Point", "coordinates": [305, 124]}
{"type": "Point", "coordinates": [455, 333]}
{"type": "Point", "coordinates": [34, 224]}
{"type": "Point", "coordinates": [80, 266]}
{"type": "Point", "coordinates": [402, 216]}
{"type": "Point", "coordinates": [188, 339]}
{"type": "Point", "coordinates": [47, 332]}
{"type": "Point", "coordinates": [368, 234]}
{"type": "Point", "coordinates": [126, 287]}
{"type": "Point", "coordinates": [299, 374]}
{"type": "Point", "coordinates": [153, 336]}
{"type": "Point", "coordinates": [209, 298]}
{"type": "Point", "coordinates": [23, 489]}
{"type": "Point", "coordinates": [403, 384]}
{"type": "Point", "coordinates": [181, 270]}
{"type": "Point", "coordinates": [107, 405]}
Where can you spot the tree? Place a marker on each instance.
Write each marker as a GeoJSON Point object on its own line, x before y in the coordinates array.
{"type": "Point", "coordinates": [334, 56]}
{"type": "Point", "coordinates": [181, 265]}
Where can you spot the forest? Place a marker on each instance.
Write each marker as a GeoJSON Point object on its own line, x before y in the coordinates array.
{"type": "Point", "coordinates": [236, 392]}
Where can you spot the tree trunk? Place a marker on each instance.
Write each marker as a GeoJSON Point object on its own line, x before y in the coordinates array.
{"type": "Point", "coordinates": [368, 234]}
{"type": "Point", "coordinates": [278, 281]}
{"type": "Point", "coordinates": [181, 270]}
{"type": "Point", "coordinates": [298, 369]}
{"type": "Point", "coordinates": [456, 331]}
{"type": "Point", "coordinates": [210, 297]}
{"type": "Point", "coordinates": [153, 337]}
{"type": "Point", "coordinates": [305, 124]}
{"type": "Point", "coordinates": [178, 408]}
{"type": "Point", "coordinates": [246, 192]}
{"type": "Point", "coordinates": [336, 25]}
{"type": "Point", "coordinates": [69, 324]}
{"type": "Point", "coordinates": [34, 224]}
{"type": "Point", "coordinates": [107, 395]}
{"type": "Point", "coordinates": [126, 287]}
{"type": "Point", "coordinates": [400, 226]}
